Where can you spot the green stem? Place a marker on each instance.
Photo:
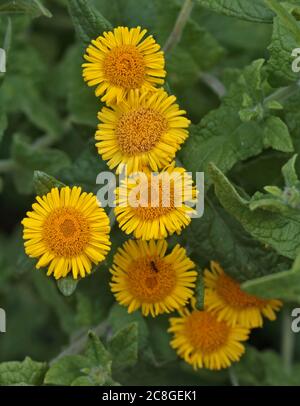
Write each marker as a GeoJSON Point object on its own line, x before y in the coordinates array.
{"type": "Point", "coordinates": [283, 93]}
{"type": "Point", "coordinates": [6, 165]}
{"type": "Point", "coordinates": [44, 142]}
{"type": "Point", "coordinates": [180, 23]}
{"type": "Point", "coordinates": [233, 378]}
{"type": "Point", "coordinates": [287, 341]}
{"type": "Point", "coordinates": [214, 84]}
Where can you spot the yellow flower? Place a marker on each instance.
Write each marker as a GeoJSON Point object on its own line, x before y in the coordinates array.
{"type": "Point", "coordinates": [203, 341]}
{"type": "Point", "coordinates": [143, 276]}
{"type": "Point", "coordinates": [67, 231]}
{"type": "Point", "coordinates": [121, 60]}
{"type": "Point", "coordinates": [146, 129]}
{"type": "Point", "coordinates": [224, 297]}
{"type": "Point", "coordinates": [160, 207]}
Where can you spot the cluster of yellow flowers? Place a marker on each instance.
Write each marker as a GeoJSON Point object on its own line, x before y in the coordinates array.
{"type": "Point", "coordinates": [141, 127]}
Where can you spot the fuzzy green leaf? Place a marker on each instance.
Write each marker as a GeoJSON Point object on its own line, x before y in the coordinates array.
{"type": "Point", "coordinates": [280, 230]}
{"type": "Point", "coordinates": [289, 172]}
{"type": "Point", "coordinates": [223, 138]}
{"type": "Point", "coordinates": [254, 10]}
{"type": "Point", "coordinates": [285, 38]}
{"type": "Point", "coordinates": [282, 285]}
{"type": "Point", "coordinates": [27, 372]}
{"type": "Point", "coordinates": [34, 8]}
{"type": "Point", "coordinates": [219, 236]}
{"type": "Point", "coordinates": [67, 285]}
{"type": "Point", "coordinates": [119, 318]}
{"type": "Point", "coordinates": [276, 135]}
{"type": "Point", "coordinates": [124, 346]}
{"type": "Point", "coordinates": [97, 353]}
{"type": "Point", "coordinates": [258, 368]}
{"type": "Point", "coordinates": [89, 23]}
{"type": "Point", "coordinates": [185, 62]}
{"type": "Point", "coordinates": [43, 183]}
{"type": "Point", "coordinates": [65, 370]}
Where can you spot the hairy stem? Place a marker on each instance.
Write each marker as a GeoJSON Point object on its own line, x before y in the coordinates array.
{"type": "Point", "coordinates": [287, 341]}
{"type": "Point", "coordinates": [214, 84]}
{"type": "Point", "coordinates": [233, 378]}
{"type": "Point", "coordinates": [180, 23]}
{"type": "Point", "coordinates": [283, 93]}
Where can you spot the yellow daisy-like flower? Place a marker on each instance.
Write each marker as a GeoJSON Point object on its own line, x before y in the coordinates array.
{"type": "Point", "coordinates": [67, 231]}
{"type": "Point", "coordinates": [121, 60]}
{"type": "Point", "coordinates": [147, 129]}
{"type": "Point", "coordinates": [143, 276]}
{"type": "Point", "coordinates": [224, 297]}
{"type": "Point", "coordinates": [161, 204]}
{"type": "Point", "coordinates": [204, 341]}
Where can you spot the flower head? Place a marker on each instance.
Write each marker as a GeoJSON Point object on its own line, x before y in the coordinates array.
{"type": "Point", "coordinates": [67, 231]}
{"type": "Point", "coordinates": [144, 276]}
{"type": "Point", "coordinates": [121, 60]}
{"type": "Point", "coordinates": [224, 297]}
{"type": "Point", "coordinates": [153, 206]}
{"type": "Point", "coordinates": [146, 129]}
{"type": "Point", "coordinates": [204, 341]}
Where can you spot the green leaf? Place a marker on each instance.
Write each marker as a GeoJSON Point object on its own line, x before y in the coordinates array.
{"type": "Point", "coordinates": [223, 138]}
{"type": "Point", "coordinates": [288, 20]}
{"type": "Point", "coordinates": [89, 23]}
{"type": "Point", "coordinates": [83, 172]}
{"type": "Point", "coordinates": [119, 318]}
{"type": "Point", "coordinates": [41, 114]}
{"type": "Point", "coordinates": [67, 285]}
{"type": "Point", "coordinates": [285, 38]}
{"type": "Point", "coordinates": [289, 172]}
{"type": "Point", "coordinates": [84, 310]}
{"type": "Point", "coordinates": [64, 371]}
{"type": "Point", "coordinates": [97, 353]}
{"type": "Point", "coordinates": [264, 368]}
{"type": "Point", "coordinates": [27, 372]}
{"type": "Point", "coordinates": [124, 346]}
{"type": "Point", "coordinates": [30, 158]}
{"type": "Point", "coordinates": [276, 135]}
{"type": "Point", "coordinates": [83, 381]}
{"type": "Point", "coordinates": [82, 103]}
{"type": "Point", "coordinates": [282, 285]}
{"type": "Point", "coordinates": [218, 236]}
{"type": "Point", "coordinates": [43, 183]}
{"type": "Point", "coordinates": [277, 229]}
{"type": "Point", "coordinates": [185, 62]}
{"type": "Point", "coordinates": [254, 10]}
{"type": "Point", "coordinates": [34, 8]}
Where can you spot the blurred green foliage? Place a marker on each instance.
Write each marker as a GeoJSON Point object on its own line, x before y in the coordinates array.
{"type": "Point", "coordinates": [227, 70]}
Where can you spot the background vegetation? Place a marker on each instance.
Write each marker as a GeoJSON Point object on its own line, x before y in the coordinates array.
{"type": "Point", "coordinates": [231, 70]}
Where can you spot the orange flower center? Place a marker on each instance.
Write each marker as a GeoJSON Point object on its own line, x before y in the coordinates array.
{"type": "Point", "coordinates": [151, 279]}
{"type": "Point", "coordinates": [232, 294]}
{"type": "Point", "coordinates": [138, 131]}
{"type": "Point", "coordinates": [159, 200]}
{"type": "Point", "coordinates": [205, 333]}
{"type": "Point", "coordinates": [124, 66]}
{"type": "Point", "coordinates": [66, 232]}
